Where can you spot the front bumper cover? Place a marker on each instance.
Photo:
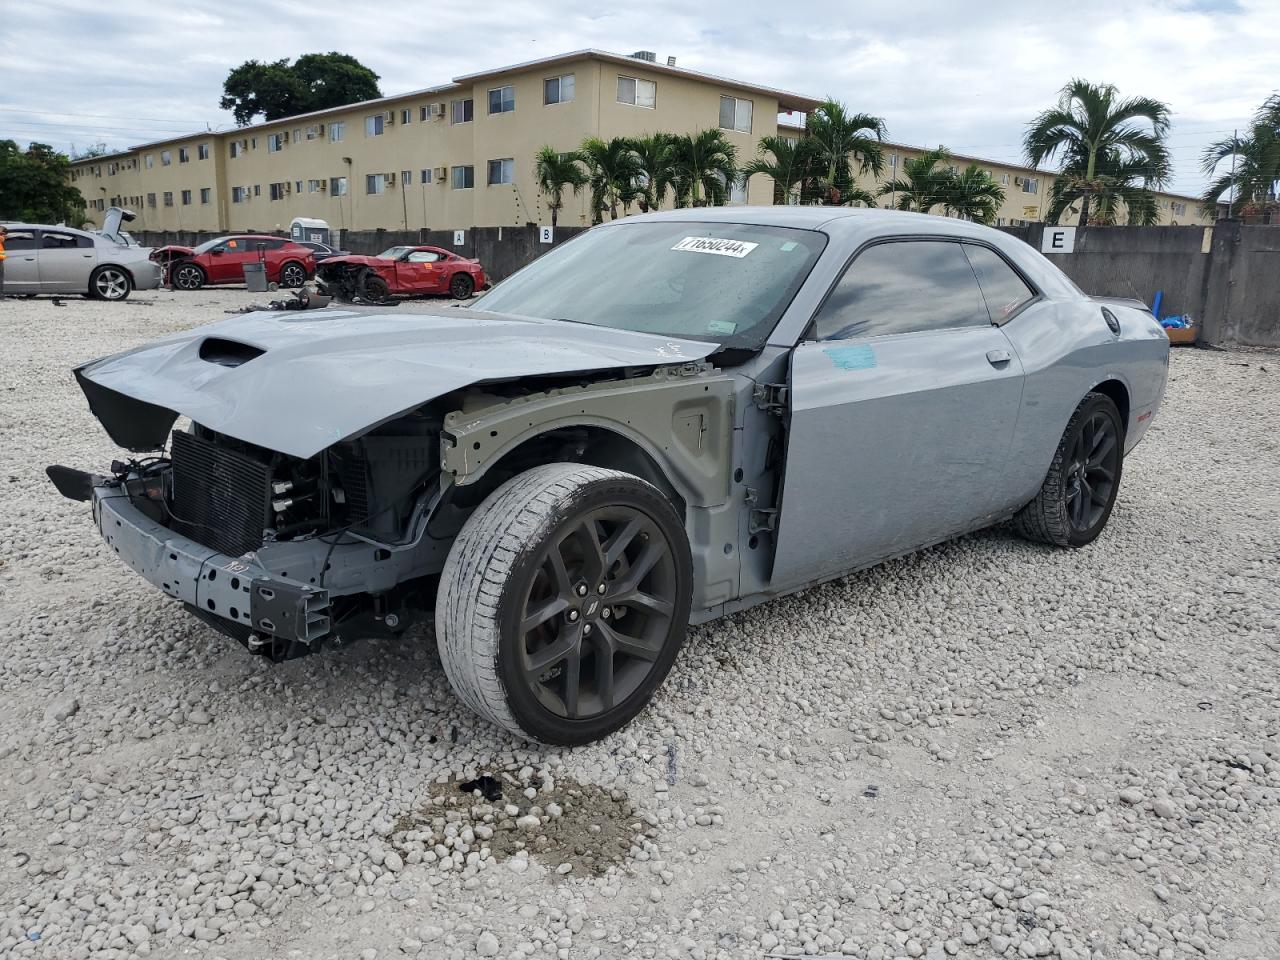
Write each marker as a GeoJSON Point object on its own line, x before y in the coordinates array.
{"type": "Point", "coordinates": [247, 600]}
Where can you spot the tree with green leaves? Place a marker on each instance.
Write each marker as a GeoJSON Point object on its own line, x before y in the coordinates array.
{"type": "Point", "coordinates": [555, 173]}
{"type": "Point", "coordinates": [315, 81]}
{"type": "Point", "coordinates": [1092, 128]}
{"type": "Point", "coordinates": [1119, 186]}
{"type": "Point", "coordinates": [35, 185]}
{"type": "Point", "coordinates": [973, 194]}
{"type": "Point", "coordinates": [613, 174]}
{"type": "Point", "coordinates": [705, 168]}
{"type": "Point", "coordinates": [841, 141]}
{"type": "Point", "coordinates": [656, 155]}
{"type": "Point", "coordinates": [925, 182]}
{"type": "Point", "coordinates": [1247, 165]}
{"type": "Point", "coordinates": [788, 162]}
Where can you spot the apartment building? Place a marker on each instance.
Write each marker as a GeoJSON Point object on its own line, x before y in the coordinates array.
{"type": "Point", "coordinates": [456, 155]}
{"type": "Point", "coordinates": [462, 154]}
{"type": "Point", "coordinates": [1027, 191]}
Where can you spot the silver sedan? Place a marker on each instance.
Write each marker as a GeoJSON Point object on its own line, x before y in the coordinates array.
{"type": "Point", "coordinates": [58, 259]}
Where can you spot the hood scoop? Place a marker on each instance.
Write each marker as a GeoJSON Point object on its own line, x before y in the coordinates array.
{"type": "Point", "coordinates": [228, 353]}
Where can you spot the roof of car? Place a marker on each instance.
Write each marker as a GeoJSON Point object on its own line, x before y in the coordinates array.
{"type": "Point", "coordinates": [812, 217]}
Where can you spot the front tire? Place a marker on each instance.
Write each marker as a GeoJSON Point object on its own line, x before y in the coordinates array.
{"type": "Point", "coordinates": [110, 283]}
{"type": "Point", "coordinates": [375, 290]}
{"type": "Point", "coordinates": [1079, 492]}
{"type": "Point", "coordinates": [187, 276]}
{"type": "Point", "coordinates": [564, 602]}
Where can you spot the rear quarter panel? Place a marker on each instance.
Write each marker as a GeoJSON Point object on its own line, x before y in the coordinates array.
{"type": "Point", "coordinates": [1067, 350]}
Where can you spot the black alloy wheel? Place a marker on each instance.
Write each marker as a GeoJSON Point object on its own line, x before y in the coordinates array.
{"type": "Point", "coordinates": [461, 286]}
{"type": "Point", "coordinates": [1092, 471]}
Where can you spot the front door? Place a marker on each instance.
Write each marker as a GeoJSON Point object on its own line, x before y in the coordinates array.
{"type": "Point", "coordinates": [902, 409]}
{"type": "Point", "coordinates": [22, 263]}
{"type": "Point", "coordinates": [66, 260]}
{"type": "Point", "coordinates": [419, 272]}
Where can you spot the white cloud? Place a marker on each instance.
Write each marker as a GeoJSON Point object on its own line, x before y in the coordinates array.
{"type": "Point", "coordinates": [966, 75]}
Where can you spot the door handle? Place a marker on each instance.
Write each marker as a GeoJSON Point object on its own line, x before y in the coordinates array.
{"type": "Point", "coordinates": [998, 357]}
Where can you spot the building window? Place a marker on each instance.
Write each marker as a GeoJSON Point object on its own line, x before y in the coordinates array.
{"type": "Point", "coordinates": [313, 186]}
{"type": "Point", "coordinates": [463, 111]}
{"type": "Point", "coordinates": [426, 175]}
{"type": "Point", "coordinates": [337, 186]}
{"type": "Point", "coordinates": [275, 143]}
{"type": "Point", "coordinates": [558, 89]}
{"type": "Point", "coordinates": [278, 191]}
{"type": "Point", "coordinates": [313, 131]}
{"type": "Point", "coordinates": [184, 155]}
{"type": "Point", "coordinates": [1030, 185]}
{"type": "Point", "coordinates": [186, 198]}
{"type": "Point", "coordinates": [234, 148]}
{"type": "Point", "coordinates": [166, 158]}
{"type": "Point", "coordinates": [374, 126]}
{"type": "Point", "coordinates": [202, 152]}
{"type": "Point", "coordinates": [253, 142]}
{"type": "Point", "coordinates": [406, 116]}
{"type": "Point", "coordinates": [375, 183]}
{"type": "Point", "coordinates": [206, 194]}
{"type": "Point", "coordinates": [149, 161]}
{"type": "Point", "coordinates": [502, 171]}
{"type": "Point", "coordinates": [168, 198]}
{"type": "Point", "coordinates": [638, 93]}
{"type": "Point", "coordinates": [1180, 209]}
{"type": "Point", "coordinates": [151, 199]}
{"type": "Point", "coordinates": [462, 178]}
{"type": "Point", "coordinates": [337, 131]}
{"type": "Point", "coordinates": [257, 189]}
{"type": "Point", "coordinates": [1004, 179]}
{"type": "Point", "coordinates": [502, 99]}
{"type": "Point", "coordinates": [735, 114]}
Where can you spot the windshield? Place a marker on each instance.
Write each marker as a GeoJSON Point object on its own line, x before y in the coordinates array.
{"type": "Point", "coordinates": [393, 253]}
{"type": "Point", "coordinates": [725, 282]}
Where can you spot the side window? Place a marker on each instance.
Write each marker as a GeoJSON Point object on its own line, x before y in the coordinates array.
{"type": "Point", "coordinates": [61, 241]}
{"type": "Point", "coordinates": [423, 256]}
{"type": "Point", "coordinates": [1004, 290]}
{"type": "Point", "coordinates": [903, 287]}
{"type": "Point", "coordinates": [20, 240]}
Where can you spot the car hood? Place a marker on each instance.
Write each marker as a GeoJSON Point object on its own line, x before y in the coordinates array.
{"type": "Point", "coordinates": [298, 382]}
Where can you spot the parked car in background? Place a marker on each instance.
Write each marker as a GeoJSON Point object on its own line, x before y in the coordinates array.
{"type": "Point", "coordinates": [222, 260]}
{"type": "Point", "coordinates": [322, 250]}
{"type": "Point", "coordinates": [667, 420]}
{"type": "Point", "coordinates": [60, 259]}
{"type": "Point", "coordinates": [401, 271]}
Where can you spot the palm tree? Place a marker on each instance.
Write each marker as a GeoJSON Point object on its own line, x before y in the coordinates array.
{"type": "Point", "coordinates": [613, 170]}
{"type": "Point", "coordinates": [973, 194]}
{"type": "Point", "coordinates": [554, 172]}
{"type": "Point", "coordinates": [1254, 176]}
{"type": "Point", "coordinates": [1091, 124]}
{"type": "Point", "coordinates": [656, 155]}
{"type": "Point", "coordinates": [1117, 182]}
{"type": "Point", "coordinates": [705, 166]}
{"type": "Point", "coordinates": [839, 135]}
{"type": "Point", "coordinates": [787, 162]}
{"type": "Point", "coordinates": [923, 184]}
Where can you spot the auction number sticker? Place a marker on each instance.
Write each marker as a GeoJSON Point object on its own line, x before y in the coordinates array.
{"type": "Point", "coordinates": [717, 246]}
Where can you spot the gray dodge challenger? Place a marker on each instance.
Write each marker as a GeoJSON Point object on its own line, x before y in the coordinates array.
{"type": "Point", "coordinates": [667, 419]}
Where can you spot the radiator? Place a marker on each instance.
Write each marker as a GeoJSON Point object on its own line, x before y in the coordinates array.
{"type": "Point", "coordinates": [221, 498]}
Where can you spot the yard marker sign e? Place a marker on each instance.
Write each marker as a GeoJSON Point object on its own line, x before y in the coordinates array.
{"type": "Point", "coordinates": [1058, 240]}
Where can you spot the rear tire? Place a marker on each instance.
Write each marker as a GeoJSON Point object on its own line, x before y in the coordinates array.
{"type": "Point", "coordinates": [564, 602]}
{"type": "Point", "coordinates": [110, 283]}
{"type": "Point", "coordinates": [292, 275]}
{"type": "Point", "coordinates": [1079, 491]}
{"type": "Point", "coordinates": [461, 286]}
{"type": "Point", "coordinates": [187, 276]}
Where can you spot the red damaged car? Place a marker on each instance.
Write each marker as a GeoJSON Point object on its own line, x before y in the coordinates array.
{"type": "Point", "coordinates": [400, 271]}
{"type": "Point", "coordinates": [222, 260]}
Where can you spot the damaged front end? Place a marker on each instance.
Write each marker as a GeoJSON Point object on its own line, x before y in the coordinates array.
{"type": "Point", "coordinates": [352, 282]}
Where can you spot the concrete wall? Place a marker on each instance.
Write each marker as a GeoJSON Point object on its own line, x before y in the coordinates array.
{"type": "Point", "coordinates": [1227, 277]}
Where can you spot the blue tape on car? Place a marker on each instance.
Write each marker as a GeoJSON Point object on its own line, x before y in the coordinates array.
{"type": "Point", "coordinates": [851, 358]}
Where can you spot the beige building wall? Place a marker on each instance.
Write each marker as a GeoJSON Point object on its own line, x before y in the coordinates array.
{"type": "Point", "coordinates": [414, 145]}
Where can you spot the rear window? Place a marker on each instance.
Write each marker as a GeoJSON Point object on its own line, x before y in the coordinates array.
{"type": "Point", "coordinates": [1004, 290]}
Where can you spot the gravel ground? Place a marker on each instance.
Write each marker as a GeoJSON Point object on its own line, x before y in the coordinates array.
{"type": "Point", "coordinates": [987, 749]}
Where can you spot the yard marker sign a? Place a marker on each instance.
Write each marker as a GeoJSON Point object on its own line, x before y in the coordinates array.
{"type": "Point", "coordinates": [1058, 240]}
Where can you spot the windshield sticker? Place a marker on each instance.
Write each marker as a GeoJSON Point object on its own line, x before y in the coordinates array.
{"type": "Point", "coordinates": [789, 246]}
{"type": "Point", "coordinates": [721, 326]}
{"type": "Point", "coordinates": [721, 248]}
{"type": "Point", "coordinates": [851, 358]}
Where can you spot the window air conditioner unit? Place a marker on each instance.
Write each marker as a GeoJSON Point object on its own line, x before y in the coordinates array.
{"type": "Point", "coordinates": [439, 173]}
{"type": "Point", "coordinates": [436, 111]}
{"type": "Point", "coordinates": [391, 179]}
{"type": "Point", "coordinates": [284, 138]}
{"type": "Point", "coordinates": [1017, 181]}
{"type": "Point", "coordinates": [288, 188]}
{"type": "Point", "coordinates": [389, 117]}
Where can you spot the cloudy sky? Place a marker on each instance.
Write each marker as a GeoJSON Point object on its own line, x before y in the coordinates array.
{"type": "Point", "coordinates": [967, 75]}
